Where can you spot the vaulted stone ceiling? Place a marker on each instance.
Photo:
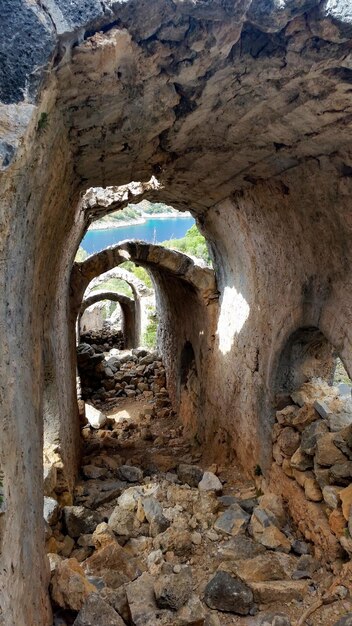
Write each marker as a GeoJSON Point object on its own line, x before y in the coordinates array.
{"type": "Point", "coordinates": [209, 97]}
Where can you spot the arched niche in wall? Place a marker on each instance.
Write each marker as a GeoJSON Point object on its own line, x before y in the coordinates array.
{"type": "Point", "coordinates": [307, 354]}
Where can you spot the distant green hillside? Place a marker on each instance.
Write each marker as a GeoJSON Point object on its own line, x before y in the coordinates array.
{"type": "Point", "coordinates": [193, 244]}
{"type": "Point", "coordinates": [136, 211]}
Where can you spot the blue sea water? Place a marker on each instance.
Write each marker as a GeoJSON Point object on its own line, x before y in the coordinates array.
{"type": "Point", "coordinates": [152, 231]}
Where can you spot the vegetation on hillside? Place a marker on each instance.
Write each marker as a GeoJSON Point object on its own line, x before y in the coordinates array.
{"type": "Point", "coordinates": [139, 272]}
{"type": "Point", "coordinates": [149, 335]}
{"type": "Point", "coordinates": [193, 244]}
{"type": "Point", "coordinates": [137, 211]}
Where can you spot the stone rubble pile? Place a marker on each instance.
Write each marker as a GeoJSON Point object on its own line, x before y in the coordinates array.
{"type": "Point", "coordinates": [312, 442]}
{"type": "Point", "coordinates": [152, 540]}
{"type": "Point", "coordinates": [105, 377]}
{"type": "Point", "coordinates": [104, 339]}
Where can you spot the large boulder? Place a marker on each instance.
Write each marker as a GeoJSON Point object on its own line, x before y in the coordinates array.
{"type": "Point", "coordinates": [69, 586]}
{"type": "Point", "coordinates": [224, 593]}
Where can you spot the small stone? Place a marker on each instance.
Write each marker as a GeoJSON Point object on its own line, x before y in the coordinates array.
{"type": "Point", "coordinates": [130, 473]}
{"type": "Point", "coordinates": [263, 527]}
{"type": "Point", "coordinates": [122, 522]}
{"type": "Point", "coordinates": [69, 586]}
{"type": "Point", "coordinates": [233, 521]}
{"type": "Point", "coordinates": [118, 600]}
{"type": "Point", "coordinates": [173, 591]}
{"type": "Point", "coordinates": [80, 520]}
{"type": "Point", "coordinates": [341, 471]}
{"type": "Point", "coordinates": [310, 436]}
{"type": "Point", "coordinates": [268, 566]}
{"type": "Point", "coordinates": [196, 538]}
{"type": "Point", "coordinates": [96, 612]}
{"type": "Point", "coordinates": [240, 547]}
{"type": "Point", "coordinates": [192, 613]}
{"type": "Point", "coordinates": [312, 490]}
{"type": "Point", "coordinates": [288, 441]}
{"type": "Point", "coordinates": [66, 546]}
{"type": "Point", "coordinates": [301, 461]}
{"type": "Point", "coordinates": [282, 591]}
{"type": "Point", "coordinates": [322, 408]}
{"type": "Point", "coordinates": [96, 418]}
{"type": "Point", "coordinates": [225, 593]}
{"type": "Point", "coordinates": [300, 547]}
{"type": "Point", "coordinates": [154, 514]}
{"type": "Point", "coordinates": [343, 441]}
{"type": "Point", "coordinates": [51, 510]}
{"type": "Point", "coordinates": [274, 504]}
{"type": "Point", "coordinates": [327, 453]}
{"type": "Point", "coordinates": [331, 495]}
{"type": "Point", "coordinates": [305, 416]}
{"type": "Point", "coordinates": [210, 482]}
{"type": "Point", "coordinates": [189, 474]}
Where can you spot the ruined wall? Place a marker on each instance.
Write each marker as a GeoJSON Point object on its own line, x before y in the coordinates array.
{"type": "Point", "coordinates": [283, 261]}
{"type": "Point", "coordinates": [33, 304]}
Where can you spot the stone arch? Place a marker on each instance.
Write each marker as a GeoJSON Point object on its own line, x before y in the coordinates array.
{"type": "Point", "coordinates": [141, 294]}
{"type": "Point", "coordinates": [130, 332]}
{"type": "Point", "coordinates": [185, 297]}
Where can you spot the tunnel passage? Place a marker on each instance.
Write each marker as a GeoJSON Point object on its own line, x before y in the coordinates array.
{"type": "Point", "coordinates": [243, 110]}
{"type": "Point", "coordinates": [185, 298]}
{"type": "Point", "coordinates": [127, 305]}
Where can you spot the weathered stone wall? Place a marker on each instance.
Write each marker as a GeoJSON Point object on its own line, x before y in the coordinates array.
{"type": "Point", "coordinates": [283, 262]}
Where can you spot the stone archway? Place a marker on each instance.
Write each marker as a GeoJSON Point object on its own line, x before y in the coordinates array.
{"type": "Point", "coordinates": [129, 329]}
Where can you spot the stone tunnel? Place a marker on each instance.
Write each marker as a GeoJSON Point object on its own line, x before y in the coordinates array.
{"type": "Point", "coordinates": [239, 112]}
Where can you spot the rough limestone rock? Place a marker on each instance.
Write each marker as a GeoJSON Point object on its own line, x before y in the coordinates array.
{"type": "Point", "coordinates": [210, 482]}
{"type": "Point", "coordinates": [174, 590]}
{"type": "Point", "coordinates": [79, 520]}
{"type": "Point", "coordinates": [130, 474]}
{"type": "Point", "coordinates": [96, 418]}
{"type": "Point", "coordinates": [154, 515]}
{"type": "Point", "coordinates": [69, 586]}
{"type": "Point", "coordinates": [225, 593]}
{"type": "Point", "coordinates": [96, 612]}
{"type": "Point", "coordinates": [122, 522]}
{"type": "Point", "coordinates": [190, 474]}
{"type": "Point", "coordinates": [233, 521]}
{"type": "Point", "coordinates": [240, 547]}
{"type": "Point", "coordinates": [51, 510]}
